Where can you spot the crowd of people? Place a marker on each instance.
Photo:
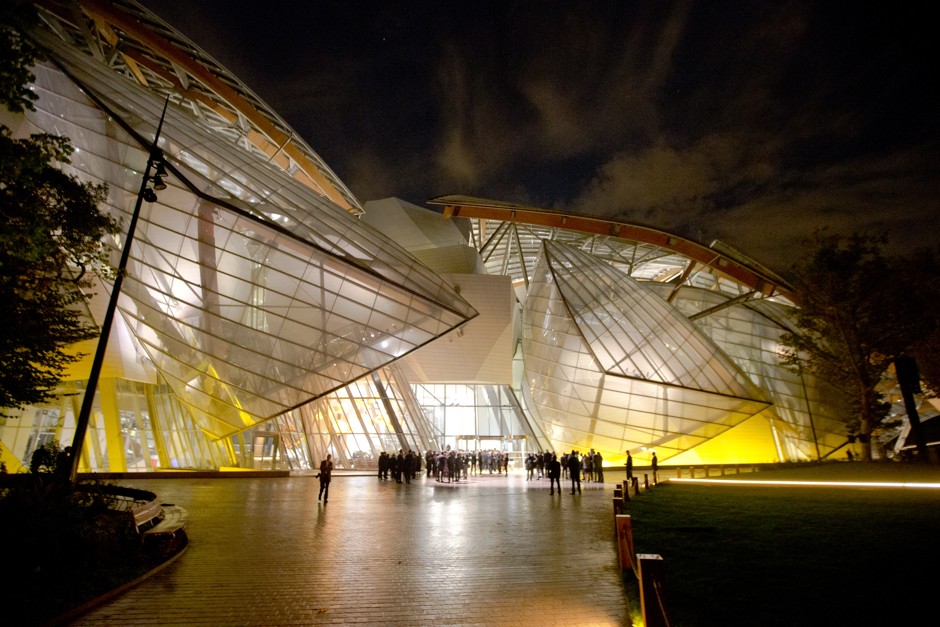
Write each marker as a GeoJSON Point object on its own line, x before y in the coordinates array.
{"type": "Point", "coordinates": [445, 466]}
{"type": "Point", "coordinates": [454, 465]}
{"type": "Point", "coordinates": [590, 465]}
{"type": "Point", "coordinates": [451, 466]}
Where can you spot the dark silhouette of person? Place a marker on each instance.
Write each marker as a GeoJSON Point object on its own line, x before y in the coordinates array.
{"type": "Point", "coordinates": [383, 464]}
{"type": "Point", "coordinates": [574, 469]}
{"type": "Point", "coordinates": [398, 465]}
{"type": "Point", "coordinates": [554, 474]}
{"type": "Point", "coordinates": [325, 474]}
{"type": "Point", "coordinates": [655, 464]}
{"type": "Point", "coordinates": [629, 468]}
{"type": "Point", "coordinates": [407, 467]}
{"type": "Point", "coordinates": [598, 467]}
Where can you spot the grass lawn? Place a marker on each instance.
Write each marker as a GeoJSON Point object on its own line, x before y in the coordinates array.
{"type": "Point", "coordinates": [767, 556]}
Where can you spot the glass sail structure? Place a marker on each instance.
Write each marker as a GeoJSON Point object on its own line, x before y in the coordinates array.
{"type": "Point", "coordinates": [252, 287]}
{"type": "Point", "coordinates": [748, 332]}
{"type": "Point", "coordinates": [248, 300]}
{"type": "Point", "coordinates": [611, 366]}
{"type": "Point", "coordinates": [268, 318]}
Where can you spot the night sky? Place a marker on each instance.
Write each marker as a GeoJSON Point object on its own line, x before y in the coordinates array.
{"type": "Point", "coordinates": [751, 122]}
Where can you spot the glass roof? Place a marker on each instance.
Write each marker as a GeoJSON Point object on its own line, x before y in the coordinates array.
{"type": "Point", "coordinates": [250, 292]}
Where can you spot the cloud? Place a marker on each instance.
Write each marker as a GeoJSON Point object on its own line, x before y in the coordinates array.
{"type": "Point", "coordinates": [469, 144]}
{"type": "Point", "coordinates": [882, 195]}
{"type": "Point", "coordinates": [666, 185]}
{"type": "Point", "coordinates": [716, 189]}
{"type": "Point", "coordinates": [370, 177]}
{"type": "Point", "coordinates": [561, 86]}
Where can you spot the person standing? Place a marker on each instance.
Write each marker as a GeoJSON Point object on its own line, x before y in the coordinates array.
{"type": "Point", "coordinates": [554, 474]}
{"type": "Point", "coordinates": [398, 465]}
{"type": "Point", "coordinates": [574, 469]}
{"type": "Point", "coordinates": [587, 466]}
{"type": "Point", "coordinates": [325, 475]}
{"type": "Point", "coordinates": [598, 467]}
{"type": "Point", "coordinates": [655, 464]}
{"type": "Point", "coordinates": [629, 468]}
{"type": "Point", "coordinates": [408, 466]}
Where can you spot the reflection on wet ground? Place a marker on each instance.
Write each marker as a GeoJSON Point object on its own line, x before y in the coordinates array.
{"type": "Point", "coordinates": [492, 550]}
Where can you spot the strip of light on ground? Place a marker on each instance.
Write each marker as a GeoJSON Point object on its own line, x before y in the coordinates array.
{"type": "Point", "coordinates": [811, 484]}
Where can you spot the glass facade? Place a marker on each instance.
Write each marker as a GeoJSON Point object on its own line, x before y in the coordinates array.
{"type": "Point", "coordinates": [263, 324]}
{"type": "Point", "coordinates": [611, 366]}
{"type": "Point", "coordinates": [477, 417]}
{"type": "Point", "coordinates": [807, 426]}
{"type": "Point", "coordinates": [249, 293]}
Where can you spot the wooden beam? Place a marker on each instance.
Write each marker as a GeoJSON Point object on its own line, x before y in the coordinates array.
{"type": "Point", "coordinates": [176, 56]}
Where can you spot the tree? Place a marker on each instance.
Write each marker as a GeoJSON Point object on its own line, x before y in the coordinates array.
{"type": "Point", "coordinates": [859, 310]}
{"type": "Point", "coordinates": [925, 272]}
{"type": "Point", "coordinates": [17, 58]}
{"type": "Point", "coordinates": [51, 242]}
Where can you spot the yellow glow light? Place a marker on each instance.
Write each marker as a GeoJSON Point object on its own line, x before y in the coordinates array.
{"type": "Point", "coordinates": [812, 484]}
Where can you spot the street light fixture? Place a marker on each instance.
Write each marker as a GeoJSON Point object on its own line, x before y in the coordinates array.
{"type": "Point", "coordinates": [158, 182]}
{"type": "Point", "coordinates": [155, 161]}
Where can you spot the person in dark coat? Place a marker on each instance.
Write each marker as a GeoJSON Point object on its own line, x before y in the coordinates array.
{"type": "Point", "coordinates": [325, 475]}
{"type": "Point", "coordinates": [554, 474]}
{"type": "Point", "coordinates": [398, 465]}
{"type": "Point", "coordinates": [407, 467]}
{"type": "Point", "coordinates": [574, 469]}
{"type": "Point", "coordinates": [655, 464]}
{"type": "Point", "coordinates": [629, 468]}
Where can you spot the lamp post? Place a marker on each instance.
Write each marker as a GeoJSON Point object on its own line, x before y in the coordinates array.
{"type": "Point", "coordinates": [154, 160]}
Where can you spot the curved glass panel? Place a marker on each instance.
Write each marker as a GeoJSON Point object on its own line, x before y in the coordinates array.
{"type": "Point", "coordinates": [246, 308]}
{"type": "Point", "coordinates": [583, 398]}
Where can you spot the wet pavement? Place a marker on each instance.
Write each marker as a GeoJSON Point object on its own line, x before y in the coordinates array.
{"type": "Point", "coordinates": [493, 550]}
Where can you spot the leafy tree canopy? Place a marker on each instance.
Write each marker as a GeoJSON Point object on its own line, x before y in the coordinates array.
{"type": "Point", "coordinates": [17, 58]}
{"type": "Point", "coordinates": [51, 238]}
{"type": "Point", "coordinates": [926, 273]}
{"type": "Point", "coordinates": [859, 310]}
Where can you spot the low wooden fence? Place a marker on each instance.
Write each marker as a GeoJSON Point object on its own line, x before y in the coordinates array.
{"type": "Point", "coordinates": [648, 568]}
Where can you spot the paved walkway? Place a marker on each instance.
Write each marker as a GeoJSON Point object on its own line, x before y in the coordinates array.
{"type": "Point", "coordinates": [489, 551]}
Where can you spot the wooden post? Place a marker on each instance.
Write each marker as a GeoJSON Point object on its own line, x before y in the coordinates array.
{"type": "Point", "coordinates": [625, 542]}
{"type": "Point", "coordinates": [618, 492]}
{"type": "Point", "coordinates": [636, 486]}
{"type": "Point", "coordinates": [651, 568]}
{"type": "Point", "coordinates": [646, 482]}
